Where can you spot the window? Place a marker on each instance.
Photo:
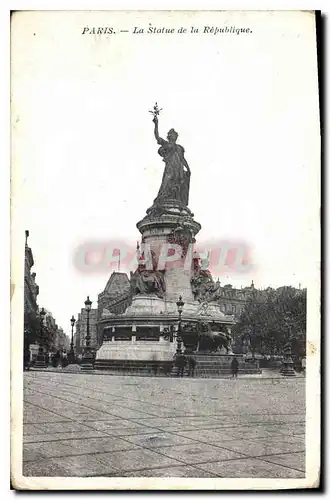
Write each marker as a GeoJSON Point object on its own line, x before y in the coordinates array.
{"type": "Point", "coordinates": [234, 309]}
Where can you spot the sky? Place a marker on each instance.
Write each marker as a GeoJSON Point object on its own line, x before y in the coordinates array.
{"type": "Point", "coordinates": [84, 159]}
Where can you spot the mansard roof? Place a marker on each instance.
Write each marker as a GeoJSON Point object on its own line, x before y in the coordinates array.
{"type": "Point", "coordinates": [117, 284]}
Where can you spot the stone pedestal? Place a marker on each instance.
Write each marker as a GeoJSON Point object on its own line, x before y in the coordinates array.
{"type": "Point", "coordinates": [139, 357]}
{"type": "Point", "coordinates": [172, 225]}
{"type": "Point", "coordinates": [40, 363]}
{"type": "Point", "coordinates": [41, 360]}
{"type": "Point", "coordinates": [162, 350]}
{"type": "Point", "coordinates": [178, 283]}
{"type": "Point", "coordinates": [287, 369]}
{"type": "Point", "coordinates": [87, 363]}
{"type": "Point", "coordinates": [158, 314]}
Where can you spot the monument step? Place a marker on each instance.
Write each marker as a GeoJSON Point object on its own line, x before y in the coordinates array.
{"type": "Point", "coordinates": [169, 369]}
{"type": "Point", "coordinates": [137, 366]}
{"type": "Point", "coordinates": [225, 364]}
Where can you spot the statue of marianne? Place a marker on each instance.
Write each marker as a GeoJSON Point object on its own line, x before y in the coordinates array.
{"type": "Point", "coordinates": [176, 176]}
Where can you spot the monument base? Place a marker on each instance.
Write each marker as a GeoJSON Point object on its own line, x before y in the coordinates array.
{"type": "Point", "coordinates": [214, 365]}
{"type": "Point", "coordinates": [157, 358]}
{"type": "Point", "coordinates": [140, 356]}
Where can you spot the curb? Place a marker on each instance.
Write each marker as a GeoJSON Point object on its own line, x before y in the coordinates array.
{"type": "Point", "coordinates": [105, 373]}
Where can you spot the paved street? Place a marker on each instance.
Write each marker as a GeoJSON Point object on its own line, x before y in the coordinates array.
{"type": "Point", "coordinates": [103, 425]}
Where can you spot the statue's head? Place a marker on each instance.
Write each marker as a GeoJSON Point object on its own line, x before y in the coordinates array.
{"type": "Point", "coordinates": [172, 135]}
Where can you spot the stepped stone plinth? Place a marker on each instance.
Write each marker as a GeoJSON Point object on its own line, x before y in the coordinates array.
{"type": "Point", "coordinates": [212, 364]}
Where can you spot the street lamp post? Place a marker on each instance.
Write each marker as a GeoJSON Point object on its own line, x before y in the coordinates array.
{"type": "Point", "coordinates": [88, 358]}
{"type": "Point", "coordinates": [72, 353]}
{"type": "Point", "coordinates": [287, 369]}
{"type": "Point", "coordinates": [180, 305]}
{"type": "Point", "coordinates": [41, 358]}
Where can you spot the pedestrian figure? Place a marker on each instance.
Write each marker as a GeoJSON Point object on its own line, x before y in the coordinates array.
{"type": "Point", "coordinates": [154, 369]}
{"type": "Point", "coordinates": [180, 363]}
{"type": "Point", "coordinates": [191, 365]}
{"type": "Point", "coordinates": [64, 359]}
{"type": "Point", "coordinates": [27, 358]}
{"type": "Point", "coordinates": [56, 359]}
{"type": "Point", "coordinates": [303, 365]}
{"type": "Point", "coordinates": [234, 368]}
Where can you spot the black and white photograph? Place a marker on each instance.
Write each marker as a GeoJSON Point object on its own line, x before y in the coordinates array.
{"type": "Point", "coordinates": [165, 265]}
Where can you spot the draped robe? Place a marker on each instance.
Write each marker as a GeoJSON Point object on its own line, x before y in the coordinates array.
{"type": "Point", "coordinates": [175, 180]}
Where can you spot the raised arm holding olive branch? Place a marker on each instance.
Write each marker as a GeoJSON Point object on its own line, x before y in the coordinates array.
{"type": "Point", "coordinates": [176, 175]}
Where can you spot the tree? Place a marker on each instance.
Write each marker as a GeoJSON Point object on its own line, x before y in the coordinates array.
{"type": "Point", "coordinates": [276, 317]}
{"type": "Point", "coordinates": [31, 328]}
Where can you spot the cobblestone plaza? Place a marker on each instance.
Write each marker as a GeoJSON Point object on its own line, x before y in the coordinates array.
{"type": "Point", "coordinates": [91, 425]}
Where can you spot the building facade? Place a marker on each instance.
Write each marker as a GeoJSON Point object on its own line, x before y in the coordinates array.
{"type": "Point", "coordinates": [31, 291]}
{"type": "Point", "coordinates": [77, 345]}
{"type": "Point", "coordinates": [115, 298]}
{"type": "Point", "coordinates": [233, 300]}
{"type": "Point", "coordinates": [53, 336]}
{"type": "Point", "coordinates": [61, 340]}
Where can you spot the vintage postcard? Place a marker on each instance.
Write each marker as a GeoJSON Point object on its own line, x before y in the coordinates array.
{"type": "Point", "coordinates": [165, 270]}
